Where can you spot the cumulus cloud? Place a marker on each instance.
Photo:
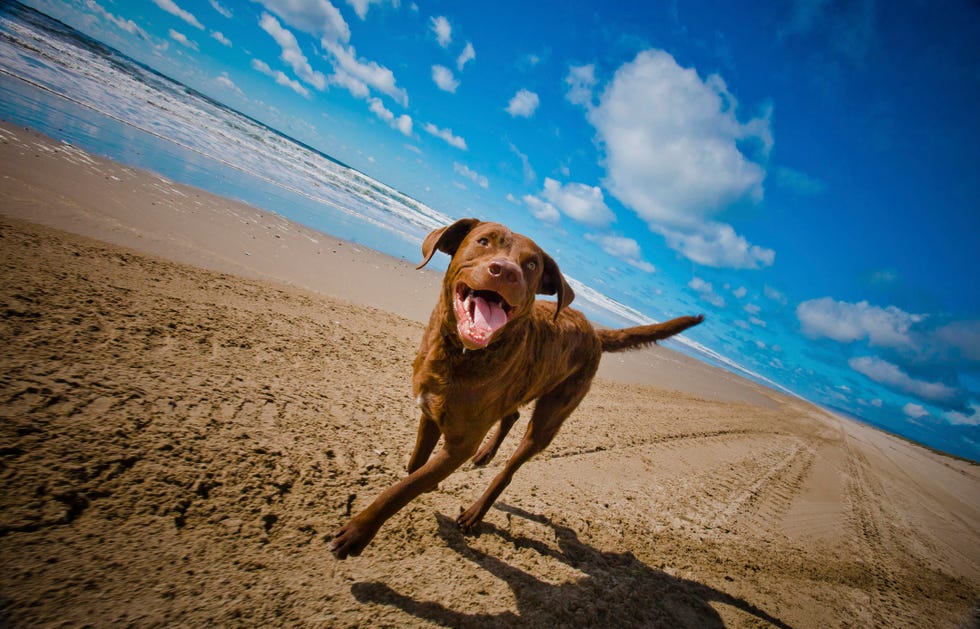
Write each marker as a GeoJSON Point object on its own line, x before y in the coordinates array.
{"type": "Point", "coordinates": [221, 9]}
{"type": "Point", "coordinates": [892, 376]}
{"type": "Point", "coordinates": [468, 54]}
{"type": "Point", "coordinates": [446, 135]}
{"type": "Point", "coordinates": [171, 7]}
{"type": "Point", "coordinates": [717, 245]}
{"type": "Point", "coordinates": [529, 175]}
{"type": "Point", "coordinates": [280, 77]}
{"type": "Point", "coordinates": [775, 295]}
{"type": "Point", "coordinates": [221, 38]}
{"type": "Point", "coordinates": [969, 418]}
{"type": "Point", "coordinates": [225, 81]}
{"type": "Point", "coordinates": [707, 292]}
{"type": "Point", "coordinates": [626, 249]}
{"type": "Point", "coordinates": [676, 154]}
{"type": "Point", "coordinates": [542, 210]}
{"type": "Point", "coordinates": [317, 17]}
{"type": "Point", "coordinates": [580, 81]}
{"type": "Point", "coordinates": [361, 6]}
{"type": "Point", "coordinates": [443, 30]}
{"type": "Point", "coordinates": [403, 123]}
{"type": "Point", "coordinates": [291, 53]}
{"type": "Point", "coordinates": [523, 104]}
{"type": "Point", "coordinates": [181, 39]}
{"type": "Point", "coordinates": [848, 322]}
{"type": "Point", "coordinates": [129, 26]}
{"type": "Point", "coordinates": [357, 75]}
{"type": "Point", "coordinates": [443, 77]}
{"type": "Point", "coordinates": [578, 201]}
{"type": "Point", "coordinates": [472, 175]}
{"type": "Point", "coordinates": [915, 411]}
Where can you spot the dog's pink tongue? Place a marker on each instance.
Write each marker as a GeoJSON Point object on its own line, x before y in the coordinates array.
{"type": "Point", "coordinates": [488, 315]}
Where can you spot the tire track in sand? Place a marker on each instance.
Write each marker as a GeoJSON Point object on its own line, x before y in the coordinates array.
{"type": "Point", "coordinates": [863, 493]}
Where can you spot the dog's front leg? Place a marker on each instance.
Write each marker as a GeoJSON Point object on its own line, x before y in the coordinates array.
{"type": "Point", "coordinates": [351, 538]}
{"type": "Point", "coordinates": [425, 442]}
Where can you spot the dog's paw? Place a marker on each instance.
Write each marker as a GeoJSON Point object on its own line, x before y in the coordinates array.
{"type": "Point", "coordinates": [469, 520]}
{"type": "Point", "coordinates": [350, 540]}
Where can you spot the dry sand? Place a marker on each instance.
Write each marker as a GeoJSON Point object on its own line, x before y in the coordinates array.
{"type": "Point", "coordinates": [183, 426]}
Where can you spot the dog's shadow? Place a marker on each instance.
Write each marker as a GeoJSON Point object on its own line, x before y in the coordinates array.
{"type": "Point", "coordinates": [619, 590]}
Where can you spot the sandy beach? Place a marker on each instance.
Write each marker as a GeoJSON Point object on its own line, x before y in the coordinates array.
{"type": "Point", "coordinates": [195, 393]}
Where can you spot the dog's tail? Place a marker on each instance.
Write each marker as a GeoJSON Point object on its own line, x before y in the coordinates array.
{"type": "Point", "coordinates": [644, 335]}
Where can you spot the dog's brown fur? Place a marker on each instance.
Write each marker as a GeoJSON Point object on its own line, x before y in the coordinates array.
{"type": "Point", "coordinates": [545, 352]}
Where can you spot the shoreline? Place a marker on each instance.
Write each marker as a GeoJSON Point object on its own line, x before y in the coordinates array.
{"type": "Point", "coordinates": [102, 199]}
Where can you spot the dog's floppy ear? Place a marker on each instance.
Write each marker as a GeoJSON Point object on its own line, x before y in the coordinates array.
{"type": "Point", "coordinates": [553, 282]}
{"type": "Point", "coordinates": [446, 239]}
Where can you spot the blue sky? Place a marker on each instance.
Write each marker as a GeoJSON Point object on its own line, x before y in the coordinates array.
{"type": "Point", "coordinates": [804, 173]}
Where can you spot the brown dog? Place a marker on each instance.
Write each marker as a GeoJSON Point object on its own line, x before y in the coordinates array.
{"type": "Point", "coordinates": [489, 349]}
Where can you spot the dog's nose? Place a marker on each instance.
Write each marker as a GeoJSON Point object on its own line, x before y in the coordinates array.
{"type": "Point", "coordinates": [505, 270]}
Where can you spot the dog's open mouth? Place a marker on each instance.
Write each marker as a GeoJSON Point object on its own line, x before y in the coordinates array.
{"type": "Point", "coordinates": [479, 313]}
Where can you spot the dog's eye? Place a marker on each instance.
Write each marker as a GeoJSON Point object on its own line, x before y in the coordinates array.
{"type": "Point", "coordinates": [531, 265]}
{"type": "Point", "coordinates": [483, 242]}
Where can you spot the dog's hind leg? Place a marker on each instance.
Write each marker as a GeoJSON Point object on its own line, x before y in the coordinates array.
{"type": "Point", "coordinates": [489, 449]}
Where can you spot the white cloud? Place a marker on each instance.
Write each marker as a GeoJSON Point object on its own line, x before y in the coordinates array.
{"type": "Point", "coordinates": [674, 154]}
{"type": "Point", "coordinates": [444, 78]}
{"type": "Point", "coordinates": [971, 418]}
{"type": "Point", "coordinates": [707, 292]}
{"type": "Point", "coordinates": [717, 245]}
{"type": "Point", "coordinates": [468, 54]}
{"type": "Point", "coordinates": [915, 411]}
{"type": "Point", "coordinates": [181, 39]}
{"type": "Point", "coordinates": [580, 81]}
{"type": "Point", "coordinates": [225, 81]}
{"type": "Point", "coordinates": [128, 26]}
{"type": "Point", "coordinates": [361, 6]}
{"type": "Point", "coordinates": [280, 77]}
{"type": "Point", "coordinates": [847, 322]}
{"type": "Point", "coordinates": [317, 17]}
{"type": "Point", "coordinates": [403, 123]}
{"type": "Point", "coordinates": [775, 295]}
{"type": "Point", "coordinates": [443, 30]}
{"type": "Point", "coordinates": [892, 376]}
{"type": "Point", "coordinates": [740, 292]}
{"type": "Point", "coordinates": [445, 135]}
{"type": "Point", "coordinates": [752, 309]}
{"type": "Point", "coordinates": [291, 53]}
{"type": "Point", "coordinates": [171, 7]}
{"type": "Point", "coordinates": [523, 104]}
{"type": "Point", "coordinates": [626, 249]}
{"type": "Point", "coordinates": [224, 11]}
{"type": "Point", "coordinates": [529, 175]}
{"type": "Point", "coordinates": [472, 175]}
{"type": "Point", "coordinates": [357, 75]}
{"type": "Point", "coordinates": [221, 38]}
{"type": "Point", "coordinates": [542, 210]}
{"type": "Point", "coordinates": [578, 201]}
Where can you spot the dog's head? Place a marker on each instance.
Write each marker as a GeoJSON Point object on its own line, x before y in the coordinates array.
{"type": "Point", "coordinates": [492, 278]}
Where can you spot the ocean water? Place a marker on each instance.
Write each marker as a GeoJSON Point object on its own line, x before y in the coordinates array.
{"type": "Point", "coordinates": [63, 83]}
{"type": "Point", "coordinates": [73, 88]}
